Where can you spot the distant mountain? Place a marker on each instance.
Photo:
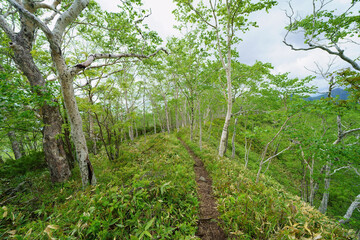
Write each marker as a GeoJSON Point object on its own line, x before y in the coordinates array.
{"type": "Point", "coordinates": [343, 95]}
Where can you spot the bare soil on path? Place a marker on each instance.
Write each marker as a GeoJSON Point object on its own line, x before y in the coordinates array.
{"type": "Point", "coordinates": [208, 228]}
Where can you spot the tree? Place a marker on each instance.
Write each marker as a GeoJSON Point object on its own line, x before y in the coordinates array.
{"type": "Point", "coordinates": [326, 29]}
{"type": "Point", "coordinates": [30, 20]}
{"type": "Point", "coordinates": [221, 21]}
{"type": "Point", "coordinates": [21, 43]}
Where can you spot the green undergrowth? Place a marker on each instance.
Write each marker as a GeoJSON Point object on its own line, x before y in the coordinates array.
{"type": "Point", "coordinates": [263, 210]}
{"type": "Point", "coordinates": [149, 193]}
{"type": "Point", "coordinates": [287, 168]}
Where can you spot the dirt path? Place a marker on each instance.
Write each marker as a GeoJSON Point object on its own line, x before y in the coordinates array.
{"type": "Point", "coordinates": [208, 228]}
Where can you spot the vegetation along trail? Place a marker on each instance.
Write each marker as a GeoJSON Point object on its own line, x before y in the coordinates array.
{"type": "Point", "coordinates": [208, 227]}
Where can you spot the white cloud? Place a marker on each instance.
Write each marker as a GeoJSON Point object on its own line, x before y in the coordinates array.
{"type": "Point", "coordinates": [263, 43]}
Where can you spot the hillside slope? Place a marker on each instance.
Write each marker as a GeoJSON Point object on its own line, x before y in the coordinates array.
{"type": "Point", "coordinates": [150, 193]}
{"type": "Point", "coordinates": [263, 210]}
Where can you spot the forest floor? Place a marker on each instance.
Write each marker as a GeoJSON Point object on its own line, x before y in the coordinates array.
{"type": "Point", "coordinates": [208, 227]}
{"type": "Point", "coordinates": [161, 187]}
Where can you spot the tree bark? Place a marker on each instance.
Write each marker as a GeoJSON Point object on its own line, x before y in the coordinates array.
{"type": "Point", "coordinates": [66, 79]}
{"type": "Point", "coordinates": [351, 209]}
{"type": "Point", "coordinates": [192, 120]}
{"type": "Point", "coordinates": [325, 199]}
{"type": "Point", "coordinates": [225, 130]}
{"type": "Point", "coordinates": [53, 145]}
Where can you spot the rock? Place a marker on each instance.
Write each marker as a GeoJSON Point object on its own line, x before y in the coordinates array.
{"type": "Point", "coordinates": [202, 179]}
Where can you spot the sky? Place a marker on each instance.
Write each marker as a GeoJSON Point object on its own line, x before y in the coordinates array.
{"type": "Point", "coordinates": [263, 43]}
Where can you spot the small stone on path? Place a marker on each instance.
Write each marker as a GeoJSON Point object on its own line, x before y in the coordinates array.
{"type": "Point", "coordinates": [202, 179]}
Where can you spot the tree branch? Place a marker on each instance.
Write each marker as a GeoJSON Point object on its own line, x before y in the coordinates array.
{"type": "Point", "coordinates": [93, 57]}
{"type": "Point", "coordinates": [68, 17]}
{"type": "Point", "coordinates": [6, 27]}
{"type": "Point", "coordinates": [199, 14]}
{"type": "Point", "coordinates": [33, 18]}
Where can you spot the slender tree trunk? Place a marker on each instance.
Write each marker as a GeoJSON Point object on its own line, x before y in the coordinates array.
{"type": "Point", "coordinates": [144, 114]}
{"type": "Point", "coordinates": [192, 120]}
{"type": "Point", "coordinates": [233, 139]}
{"type": "Point", "coordinates": [161, 122]}
{"type": "Point", "coordinates": [225, 130]}
{"type": "Point", "coordinates": [166, 113]}
{"type": "Point", "coordinates": [200, 127]}
{"type": "Point", "coordinates": [263, 155]}
{"type": "Point", "coordinates": [210, 127]}
{"type": "Point", "coordinates": [177, 108]}
{"type": "Point", "coordinates": [325, 199]}
{"type": "Point", "coordinates": [14, 144]}
{"type": "Point", "coordinates": [91, 132]}
{"type": "Point", "coordinates": [247, 151]}
{"type": "Point", "coordinates": [153, 110]}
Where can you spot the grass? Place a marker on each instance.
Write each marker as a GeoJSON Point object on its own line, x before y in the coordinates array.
{"type": "Point", "coordinates": [263, 210]}
{"type": "Point", "coordinates": [149, 193]}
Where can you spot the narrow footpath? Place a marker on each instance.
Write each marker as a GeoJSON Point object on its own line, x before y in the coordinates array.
{"type": "Point", "coordinates": [208, 228]}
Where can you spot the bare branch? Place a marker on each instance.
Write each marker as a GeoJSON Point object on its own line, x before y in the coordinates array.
{"type": "Point", "coordinates": [339, 52]}
{"type": "Point", "coordinates": [338, 169]}
{"type": "Point", "coordinates": [33, 18]}
{"type": "Point", "coordinates": [290, 146]}
{"type": "Point", "coordinates": [350, 210]}
{"type": "Point", "coordinates": [93, 57]}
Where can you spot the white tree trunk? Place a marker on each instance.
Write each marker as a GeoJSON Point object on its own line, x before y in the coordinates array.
{"type": "Point", "coordinates": [177, 108]}
{"type": "Point", "coordinates": [325, 199]}
{"type": "Point", "coordinates": [66, 80]}
{"type": "Point", "coordinates": [351, 209]}
{"type": "Point", "coordinates": [225, 130]}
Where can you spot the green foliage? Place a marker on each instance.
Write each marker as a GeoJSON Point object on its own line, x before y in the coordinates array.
{"type": "Point", "coordinates": [264, 210]}
{"type": "Point", "coordinates": [31, 162]}
{"type": "Point", "coordinates": [150, 192]}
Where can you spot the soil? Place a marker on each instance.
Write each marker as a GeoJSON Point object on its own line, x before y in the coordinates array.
{"type": "Point", "coordinates": [208, 228]}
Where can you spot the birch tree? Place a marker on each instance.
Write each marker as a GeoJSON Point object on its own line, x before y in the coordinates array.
{"type": "Point", "coordinates": [221, 22]}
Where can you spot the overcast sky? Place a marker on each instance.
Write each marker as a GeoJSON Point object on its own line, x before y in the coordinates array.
{"type": "Point", "coordinates": [263, 43]}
